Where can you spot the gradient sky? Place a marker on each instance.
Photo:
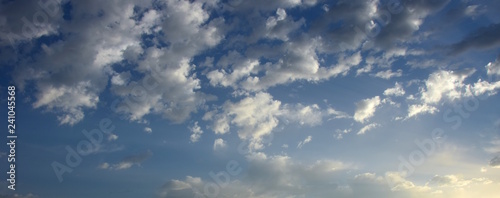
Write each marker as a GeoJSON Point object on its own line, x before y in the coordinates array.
{"type": "Point", "coordinates": [254, 99]}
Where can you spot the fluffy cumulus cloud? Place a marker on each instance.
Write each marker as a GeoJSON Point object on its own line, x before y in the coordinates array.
{"type": "Point", "coordinates": [148, 130]}
{"type": "Point", "coordinates": [69, 74]}
{"type": "Point", "coordinates": [196, 132]}
{"type": "Point", "coordinates": [288, 62]}
{"type": "Point", "coordinates": [151, 69]}
{"type": "Point", "coordinates": [169, 86]}
{"type": "Point", "coordinates": [449, 86]}
{"type": "Point", "coordinates": [67, 82]}
{"type": "Point", "coordinates": [443, 84]}
{"type": "Point", "coordinates": [255, 117]}
{"type": "Point", "coordinates": [219, 143]}
{"type": "Point", "coordinates": [246, 69]}
{"type": "Point", "coordinates": [366, 108]}
{"type": "Point", "coordinates": [397, 90]}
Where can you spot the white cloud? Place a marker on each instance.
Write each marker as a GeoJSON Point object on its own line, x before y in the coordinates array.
{"type": "Point", "coordinates": [112, 137]}
{"type": "Point", "coordinates": [366, 128]}
{"type": "Point", "coordinates": [170, 91]}
{"type": "Point", "coordinates": [416, 109]}
{"type": "Point", "coordinates": [456, 181]}
{"type": "Point", "coordinates": [269, 176]}
{"type": "Point", "coordinates": [121, 78]}
{"type": "Point", "coordinates": [127, 162]}
{"type": "Point", "coordinates": [472, 10]}
{"type": "Point", "coordinates": [337, 114]}
{"type": "Point", "coordinates": [219, 143]}
{"type": "Point", "coordinates": [69, 77]}
{"type": "Point", "coordinates": [339, 134]}
{"type": "Point", "coordinates": [365, 69]}
{"type": "Point", "coordinates": [447, 84]}
{"type": "Point", "coordinates": [493, 68]}
{"type": "Point", "coordinates": [122, 165]}
{"type": "Point", "coordinates": [256, 115]}
{"type": "Point", "coordinates": [70, 100]}
{"type": "Point", "coordinates": [148, 130]}
{"type": "Point", "coordinates": [365, 109]}
{"type": "Point", "coordinates": [388, 74]}
{"type": "Point", "coordinates": [305, 141]}
{"type": "Point", "coordinates": [279, 26]}
{"type": "Point", "coordinates": [300, 63]}
{"type": "Point", "coordinates": [239, 71]}
{"type": "Point", "coordinates": [310, 115]}
{"type": "Point", "coordinates": [397, 90]}
{"type": "Point", "coordinates": [196, 132]}
{"type": "Point", "coordinates": [281, 176]}
{"type": "Point", "coordinates": [493, 147]}
{"type": "Point", "coordinates": [104, 165]}
{"type": "Point", "coordinates": [482, 88]}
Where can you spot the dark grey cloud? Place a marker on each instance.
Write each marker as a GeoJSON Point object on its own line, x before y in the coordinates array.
{"type": "Point", "coordinates": [482, 38]}
{"type": "Point", "coordinates": [495, 162]}
{"type": "Point", "coordinates": [341, 25]}
{"type": "Point", "coordinates": [403, 25]}
{"type": "Point", "coordinates": [24, 20]}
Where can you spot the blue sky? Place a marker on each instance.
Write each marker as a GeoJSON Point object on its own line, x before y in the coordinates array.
{"type": "Point", "coordinates": [261, 99]}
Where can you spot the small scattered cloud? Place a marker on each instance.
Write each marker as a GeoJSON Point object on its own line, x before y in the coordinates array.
{"type": "Point", "coordinates": [388, 74]}
{"type": "Point", "coordinates": [104, 165]}
{"type": "Point", "coordinates": [195, 132]}
{"type": "Point", "coordinates": [305, 141]}
{"type": "Point", "coordinates": [339, 134]}
{"type": "Point", "coordinates": [148, 130]}
{"type": "Point", "coordinates": [112, 137]}
{"type": "Point", "coordinates": [127, 162]}
{"type": "Point", "coordinates": [366, 128]}
{"type": "Point", "coordinates": [493, 68]}
{"type": "Point", "coordinates": [219, 143]}
{"type": "Point", "coordinates": [397, 90]}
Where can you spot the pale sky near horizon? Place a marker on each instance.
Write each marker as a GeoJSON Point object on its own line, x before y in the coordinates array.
{"type": "Point", "coordinates": [257, 99]}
